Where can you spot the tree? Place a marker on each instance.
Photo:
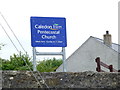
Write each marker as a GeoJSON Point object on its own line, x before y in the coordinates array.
{"type": "Point", "coordinates": [22, 62]}
{"type": "Point", "coordinates": [17, 62]}
{"type": "Point", "coordinates": [1, 58]}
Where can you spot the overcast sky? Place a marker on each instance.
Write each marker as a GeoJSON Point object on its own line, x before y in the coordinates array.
{"type": "Point", "coordinates": [84, 18]}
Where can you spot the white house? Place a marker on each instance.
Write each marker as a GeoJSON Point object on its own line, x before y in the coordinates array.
{"type": "Point", "coordinates": [83, 59]}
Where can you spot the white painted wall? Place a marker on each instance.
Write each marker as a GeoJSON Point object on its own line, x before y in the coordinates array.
{"type": "Point", "coordinates": [83, 59]}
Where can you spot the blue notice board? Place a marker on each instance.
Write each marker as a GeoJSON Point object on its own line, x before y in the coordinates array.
{"type": "Point", "coordinates": [48, 32]}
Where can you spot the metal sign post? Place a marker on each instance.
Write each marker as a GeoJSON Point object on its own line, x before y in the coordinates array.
{"type": "Point", "coordinates": [64, 59]}
{"type": "Point", "coordinates": [34, 59]}
{"type": "Point", "coordinates": [50, 53]}
{"type": "Point", "coordinates": [48, 32]}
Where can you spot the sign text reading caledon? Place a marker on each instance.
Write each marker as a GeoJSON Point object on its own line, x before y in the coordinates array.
{"type": "Point", "coordinates": [48, 32]}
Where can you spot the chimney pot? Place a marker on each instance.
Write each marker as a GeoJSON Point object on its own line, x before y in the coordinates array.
{"type": "Point", "coordinates": [107, 32]}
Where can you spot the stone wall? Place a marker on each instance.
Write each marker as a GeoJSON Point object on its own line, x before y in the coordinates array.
{"type": "Point", "coordinates": [25, 79]}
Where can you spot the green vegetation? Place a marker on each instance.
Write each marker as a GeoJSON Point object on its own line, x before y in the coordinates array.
{"type": "Point", "coordinates": [16, 62]}
{"type": "Point", "coordinates": [48, 65]}
{"type": "Point", "coordinates": [22, 61]}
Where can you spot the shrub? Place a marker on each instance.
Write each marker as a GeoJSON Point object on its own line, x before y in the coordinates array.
{"type": "Point", "coordinates": [16, 62]}
{"type": "Point", "coordinates": [49, 65]}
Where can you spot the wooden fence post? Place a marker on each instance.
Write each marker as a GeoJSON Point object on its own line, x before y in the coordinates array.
{"type": "Point", "coordinates": [111, 68]}
{"type": "Point", "coordinates": [98, 64]}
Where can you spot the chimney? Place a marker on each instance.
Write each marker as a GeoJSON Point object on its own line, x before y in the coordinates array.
{"type": "Point", "coordinates": [107, 39]}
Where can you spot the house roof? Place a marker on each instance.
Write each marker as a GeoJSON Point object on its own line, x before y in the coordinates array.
{"type": "Point", "coordinates": [114, 46]}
